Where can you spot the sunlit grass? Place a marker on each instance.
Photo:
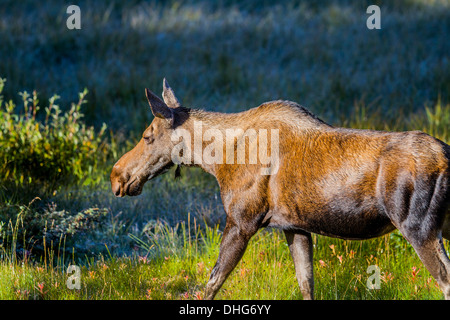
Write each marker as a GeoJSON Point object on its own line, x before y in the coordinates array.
{"type": "Point", "coordinates": [175, 263]}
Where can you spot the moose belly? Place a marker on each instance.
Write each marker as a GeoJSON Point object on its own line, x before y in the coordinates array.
{"type": "Point", "coordinates": [346, 223]}
{"type": "Point", "coordinates": [342, 202]}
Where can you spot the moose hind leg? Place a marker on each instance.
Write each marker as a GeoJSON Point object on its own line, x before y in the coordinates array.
{"type": "Point", "coordinates": [420, 216]}
{"type": "Point", "coordinates": [435, 259]}
{"type": "Point", "coordinates": [301, 248]}
{"type": "Point", "coordinates": [428, 244]}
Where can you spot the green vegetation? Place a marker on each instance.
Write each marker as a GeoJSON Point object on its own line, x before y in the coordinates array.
{"type": "Point", "coordinates": [59, 150]}
{"type": "Point", "coordinates": [56, 206]}
{"type": "Point", "coordinates": [176, 262]}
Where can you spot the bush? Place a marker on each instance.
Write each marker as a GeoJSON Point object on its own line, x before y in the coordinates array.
{"type": "Point", "coordinates": [31, 228]}
{"type": "Point", "coordinates": [439, 121]}
{"type": "Point", "coordinates": [47, 153]}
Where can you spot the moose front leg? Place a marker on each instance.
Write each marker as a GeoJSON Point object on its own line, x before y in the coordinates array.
{"type": "Point", "coordinates": [234, 242]}
{"type": "Point", "coordinates": [301, 248]}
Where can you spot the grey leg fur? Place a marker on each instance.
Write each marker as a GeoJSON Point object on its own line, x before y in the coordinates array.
{"type": "Point", "coordinates": [435, 259]}
{"type": "Point", "coordinates": [300, 245]}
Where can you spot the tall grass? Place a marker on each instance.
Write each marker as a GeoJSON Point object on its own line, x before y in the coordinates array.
{"type": "Point", "coordinates": [175, 263]}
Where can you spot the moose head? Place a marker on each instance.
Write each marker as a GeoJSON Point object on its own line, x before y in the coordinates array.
{"type": "Point", "coordinates": [152, 155]}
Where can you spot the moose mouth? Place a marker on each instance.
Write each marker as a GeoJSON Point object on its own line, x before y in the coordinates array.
{"type": "Point", "coordinates": [135, 186]}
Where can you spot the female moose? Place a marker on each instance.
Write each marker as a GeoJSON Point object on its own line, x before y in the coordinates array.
{"type": "Point", "coordinates": [345, 183]}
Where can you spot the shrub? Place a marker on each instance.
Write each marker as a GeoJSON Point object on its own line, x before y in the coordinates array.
{"type": "Point", "coordinates": [434, 121]}
{"type": "Point", "coordinates": [50, 149]}
{"type": "Point", "coordinates": [30, 228]}
{"type": "Point", "coordinates": [439, 121]}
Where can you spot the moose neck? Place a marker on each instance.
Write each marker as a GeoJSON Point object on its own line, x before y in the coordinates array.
{"type": "Point", "coordinates": [212, 140]}
{"type": "Point", "coordinates": [207, 131]}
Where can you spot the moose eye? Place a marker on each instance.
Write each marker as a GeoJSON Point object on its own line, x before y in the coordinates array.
{"type": "Point", "coordinates": [148, 139]}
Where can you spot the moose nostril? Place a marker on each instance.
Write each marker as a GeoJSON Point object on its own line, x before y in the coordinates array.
{"type": "Point", "coordinates": [115, 186]}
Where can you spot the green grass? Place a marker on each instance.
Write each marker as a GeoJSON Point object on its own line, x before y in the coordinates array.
{"type": "Point", "coordinates": [178, 260]}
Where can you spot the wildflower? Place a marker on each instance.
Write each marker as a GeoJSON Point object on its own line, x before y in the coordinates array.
{"type": "Point", "coordinates": [371, 260]}
{"type": "Point", "coordinates": [142, 259]}
{"type": "Point", "coordinates": [262, 255]}
{"type": "Point", "coordinates": [22, 293]}
{"type": "Point", "coordinates": [200, 267]}
{"type": "Point", "coordinates": [322, 263]}
{"type": "Point", "coordinates": [340, 258]}
{"type": "Point", "coordinates": [186, 295]}
{"type": "Point", "coordinates": [414, 273]}
{"type": "Point", "coordinates": [198, 296]}
{"type": "Point", "coordinates": [243, 271]}
{"type": "Point", "coordinates": [332, 247]}
{"type": "Point", "coordinates": [166, 258]}
{"type": "Point", "coordinates": [40, 288]}
{"type": "Point", "coordinates": [387, 277]}
{"type": "Point", "coordinates": [352, 254]}
{"type": "Point", "coordinates": [148, 295]}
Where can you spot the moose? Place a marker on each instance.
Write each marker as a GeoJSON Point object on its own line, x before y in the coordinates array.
{"type": "Point", "coordinates": [337, 182]}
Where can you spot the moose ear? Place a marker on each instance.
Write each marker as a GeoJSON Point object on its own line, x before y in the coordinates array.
{"type": "Point", "coordinates": [169, 96]}
{"type": "Point", "coordinates": [159, 108]}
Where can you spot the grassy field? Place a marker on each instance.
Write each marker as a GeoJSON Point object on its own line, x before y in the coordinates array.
{"type": "Point", "coordinates": [223, 56]}
{"type": "Point", "coordinates": [175, 263]}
